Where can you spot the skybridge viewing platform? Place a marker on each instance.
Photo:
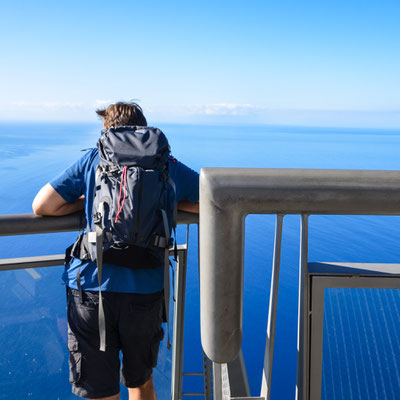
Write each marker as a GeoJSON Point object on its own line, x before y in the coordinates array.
{"type": "Point", "coordinates": [348, 340]}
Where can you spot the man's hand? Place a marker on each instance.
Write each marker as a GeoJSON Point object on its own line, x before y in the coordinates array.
{"type": "Point", "coordinates": [188, 206]}
{"type": "Point", "coordinates": [49, 202]}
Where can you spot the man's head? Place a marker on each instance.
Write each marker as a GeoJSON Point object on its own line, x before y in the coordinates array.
{"type": "Point", "coordinates": [122, 114]}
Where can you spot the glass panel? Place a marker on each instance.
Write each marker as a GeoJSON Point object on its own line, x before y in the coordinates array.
{"type": "Point", "coordinates": [33, 339]}
{"type": "Point", "coordinates": [361, 348]}
{"type": "Point", "coordinates": [33, 335]}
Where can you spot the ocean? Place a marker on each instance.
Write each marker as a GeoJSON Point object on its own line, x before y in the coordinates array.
{"type": "Point", "coordinates": [33, 357]}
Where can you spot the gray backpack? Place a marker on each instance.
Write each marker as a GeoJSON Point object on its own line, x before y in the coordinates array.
{"type": "Point", "coordinates": [134, 205]}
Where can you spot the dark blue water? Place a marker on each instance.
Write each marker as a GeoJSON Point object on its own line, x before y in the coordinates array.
{"type": "Point", "coordinates": [33, 358]}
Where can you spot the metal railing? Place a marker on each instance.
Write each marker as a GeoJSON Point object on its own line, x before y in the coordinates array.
{"type": "Point", "coordinates": [227, 195]}
{"type": "Point", "coordinates": [25, 224]}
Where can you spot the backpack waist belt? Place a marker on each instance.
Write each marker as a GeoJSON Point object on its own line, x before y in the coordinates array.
{"type": "Point", "coordinates": [130, 256]}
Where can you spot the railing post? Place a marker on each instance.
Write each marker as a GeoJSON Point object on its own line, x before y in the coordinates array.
{"type": "Point", "coordinates": [217, 381]}
{"type": "Point", "coordinates": [303, 317]}
{"type": "Point", "coordinates": [178, 330]}
{"type": "Point", "coordinates": [230, 380]}
{"type": "Point", "coordinates": [273, 304]}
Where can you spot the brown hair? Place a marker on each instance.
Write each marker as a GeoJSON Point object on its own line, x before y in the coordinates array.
{"type": "Point", "coordinates": [122, 114]}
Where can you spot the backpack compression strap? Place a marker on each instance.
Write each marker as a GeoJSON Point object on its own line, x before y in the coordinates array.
{"type": "Point", "coordinates": [174, 216]}
{"type": "Point", "coordinates": [166, 256]}
{"type": "Point", "coordinates": [166, 273]}
{"type": "Point", "coordinates": [97, 237]}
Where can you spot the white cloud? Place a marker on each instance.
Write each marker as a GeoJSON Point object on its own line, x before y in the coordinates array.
{"type": "Point", "coordinates": [19, 103]}
{"type": "Point", "coordinates": [24, 109]}
{"type": "Point", "coordinates": [59, 105]}
{"type": "Point", "coordinates": [46, 110]}
{"type": "Point", "coordinates": [54, 105]}
{"type": "Point", "coordinates": [213, 109]}
{"type": "Point", "coordinates": [224, 109]}
{"type": "Point", "coordinates": [101, 103]}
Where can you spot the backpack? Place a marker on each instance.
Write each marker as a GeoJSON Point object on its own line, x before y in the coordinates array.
{"type": "Point", "coordinates": [134, 198]}
{"type": "Point", "coordinates": [134, 204]}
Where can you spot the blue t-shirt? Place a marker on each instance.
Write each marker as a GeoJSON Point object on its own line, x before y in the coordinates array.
{"type": "Point", "coordinates": [78, 180]}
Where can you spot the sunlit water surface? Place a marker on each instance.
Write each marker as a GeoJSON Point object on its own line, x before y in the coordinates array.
{"type": "Point", "coordinates": [33, 356]}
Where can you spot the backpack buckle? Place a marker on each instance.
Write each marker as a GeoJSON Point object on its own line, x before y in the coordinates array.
{"type": "Point", "coordinates": [161, 241]}
{"type": "Point", "coordinates": [97, 218]}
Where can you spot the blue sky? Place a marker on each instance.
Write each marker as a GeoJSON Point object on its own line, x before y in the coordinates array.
{"type": "Point", "coordinates": [290, 62]}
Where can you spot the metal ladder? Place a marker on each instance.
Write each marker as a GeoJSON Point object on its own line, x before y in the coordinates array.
{"type": "Point", "coordinates": [207, 375]}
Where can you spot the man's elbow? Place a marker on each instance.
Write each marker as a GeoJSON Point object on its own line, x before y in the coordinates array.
{"type": "Point", "coordinates": [47, 201]}
{"type": "Point", "coordinates": [39, 208]}
{"type": "Point", "coordinates": [42, 204]}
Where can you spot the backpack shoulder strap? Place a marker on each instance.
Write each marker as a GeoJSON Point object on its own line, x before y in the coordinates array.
{"type": "Point", "coordinates": [175, 212]}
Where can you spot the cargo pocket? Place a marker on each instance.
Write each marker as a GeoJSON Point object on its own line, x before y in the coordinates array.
{"type": "Point", "coordinates": [155, 345]}
{"type": "Point", "coordinates": [75, 360]}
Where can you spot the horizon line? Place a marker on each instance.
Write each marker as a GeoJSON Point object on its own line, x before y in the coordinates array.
{"type": "Point", "coordinates": [287, 124]}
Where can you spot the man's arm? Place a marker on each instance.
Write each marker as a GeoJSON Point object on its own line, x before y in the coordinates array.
{"type": "Point", "coordinates": [49, 202]}
{"type": "Point", "coordinates": [188, 206]}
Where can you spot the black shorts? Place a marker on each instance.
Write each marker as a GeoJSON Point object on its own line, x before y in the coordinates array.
{"type": "Point", "coordinates": [133, 326]}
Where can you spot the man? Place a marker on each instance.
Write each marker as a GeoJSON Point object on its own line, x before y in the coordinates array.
{"type": "Point", "coordinates": [132, 298]}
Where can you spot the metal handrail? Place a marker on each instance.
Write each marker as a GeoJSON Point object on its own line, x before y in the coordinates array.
{"type": "Point", "coordinates": [227, 195]}
{"type": "Point", "coordinates": [24, 224]}
{"type": "Point", "coordinates": [28, 224]}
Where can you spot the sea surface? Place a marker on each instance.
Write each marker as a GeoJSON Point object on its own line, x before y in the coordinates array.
{"type": "Point", "coordinates": [361, 327]}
